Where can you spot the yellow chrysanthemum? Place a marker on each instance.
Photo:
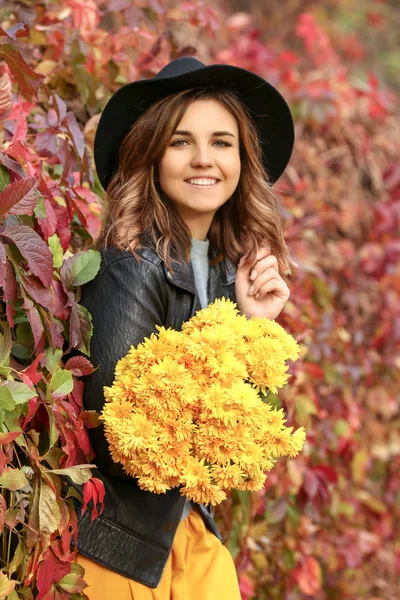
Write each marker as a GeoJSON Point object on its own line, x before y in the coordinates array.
{"type": "Point", "coordinates": [227, 477]}
{"type": "Point", "coordinates": [184, 409]}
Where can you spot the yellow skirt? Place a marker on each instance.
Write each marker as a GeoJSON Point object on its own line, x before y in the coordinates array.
{"type": "Point", "coordinates": [198, 568]}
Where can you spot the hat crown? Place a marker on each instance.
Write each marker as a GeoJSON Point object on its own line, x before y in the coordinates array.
{"type": "Point", "coordinates": [179, 66]}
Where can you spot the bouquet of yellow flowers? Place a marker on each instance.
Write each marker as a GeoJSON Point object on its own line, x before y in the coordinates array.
{"type": "Point", "coordinates": [185, 408]}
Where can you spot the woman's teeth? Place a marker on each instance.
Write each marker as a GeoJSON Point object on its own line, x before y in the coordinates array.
{"type": "Point", "coordinates": [204, 182]}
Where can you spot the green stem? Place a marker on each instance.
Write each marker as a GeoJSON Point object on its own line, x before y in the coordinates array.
{"type": "Point", "coordinates": [4, 536]}
{"type": "Point", "coordinates": [10, 532]}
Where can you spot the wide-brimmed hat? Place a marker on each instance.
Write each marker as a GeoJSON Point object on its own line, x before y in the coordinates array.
{"type": "Point", "coordinates": [266, 105]}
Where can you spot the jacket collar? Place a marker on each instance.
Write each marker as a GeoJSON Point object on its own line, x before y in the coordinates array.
{"type": "Point", "coordinates": [182, 275]}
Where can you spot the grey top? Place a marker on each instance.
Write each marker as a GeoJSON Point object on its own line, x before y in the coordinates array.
{"type": "Point", "coordinates": [199, 259]}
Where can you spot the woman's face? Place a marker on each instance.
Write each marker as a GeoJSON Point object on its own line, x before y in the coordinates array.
{"type": "Point", "coordinates": [200, 168]}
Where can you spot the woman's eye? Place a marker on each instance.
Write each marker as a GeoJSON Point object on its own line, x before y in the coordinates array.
{"type": "Point", "coordinates": [178, 142]}
{"type": "Point", "coordinates": [220, 143]}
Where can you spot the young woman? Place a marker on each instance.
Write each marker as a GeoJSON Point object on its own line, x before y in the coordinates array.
{"type": "Point", "coordinates": [187, 160]}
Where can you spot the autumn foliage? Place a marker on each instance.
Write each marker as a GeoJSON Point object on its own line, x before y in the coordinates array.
{"type": "Point", "coordinates": [325, 524]}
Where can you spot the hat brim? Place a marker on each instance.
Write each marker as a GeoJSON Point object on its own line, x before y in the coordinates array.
{"type": "Point", "coordinates": [265, 104]}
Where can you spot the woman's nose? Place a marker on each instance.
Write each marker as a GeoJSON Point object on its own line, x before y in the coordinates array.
{"type": "Point", "coordinates": [202, 157]}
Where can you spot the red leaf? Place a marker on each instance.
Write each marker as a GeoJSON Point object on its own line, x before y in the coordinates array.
{"type": "Point", "coordinates": [75, 397]}
{"type": "Point", "coordinates": [31, 375]}
{"type": "Point", "coordinates": [310, 483]}
{"type": "Point", "coordinates": [37, 327]}
{"type": "Point", "coordinates": [21, 129]}
{"type": "Point", "coordinates": [27, 80]}
{"type": "Point", "coordinates": [10, 436]}
{"type": "Point", "coordinates": [88, 489]}
{"type": "Point", "coordinates": [79, 365]}
{"type": "Point", "coordinates": [32, 408]}
{"type": "Point", "coordinates": [246, 587]}
{"type": "Point", "coordinates": [78, 428]}
{"type": "Point", "coordinates": [3, 510]}
{"type": "Point", "coordinates": [59, 106]}
{"type": "Point", "coordinates": [18, 196]}
{"type": "Point", "coordinates": [3, 461]}
{"type": "Point", "coordinates": [33, 249]}
{"type": "Point", "coordinates": [326, 472]}
{"type": "Point", "coordinates": [10, 292]}
{"type": "Point", "coordinates": [100, 491]}
{"type": "Point", "coordinates": [80, 328]}
{"type": "Point", "coordinates": [12, 165]}
{"type": "Point", "coordinates": [3, 263]}
{"type": "Point", "coordinates": [75, 133]}
{"type": "Point", "coordinates": [49, 223]}
{"type": "Point", "coordinates": [56, 329]}
{"type": "Point", "coordinates": [45, 578]}
{"type": "Point", "coordinates": [93, 490]}
{"type": "Point", "coordinates": [308, 576]}
{"type": "Point", "coordinates": [88, 212]}
{"type": "Point", "coordinates": [64, 217]}
{"type": "Point", "coordinates": [61, 308]}
{"type": "Point", "coordinates": [61, 568]}
{"type": "Point", "coordinates": [145, 58]}
{"type": "Point", "coordinates": [90, 419]}
{"type": "Point", "coordinates": [37, 292]}
{"type": "Point", "coordinates": [19, 30]}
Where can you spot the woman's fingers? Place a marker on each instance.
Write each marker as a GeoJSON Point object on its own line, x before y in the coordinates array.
{"type": "Point", "coordinates": [276, 286]}
{"type": "Point", "coordinates": [263, 264]}
{"type": "Point", "coordinates": [262, 279]}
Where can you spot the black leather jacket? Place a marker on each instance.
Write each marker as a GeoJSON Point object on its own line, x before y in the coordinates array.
{"type": "Point", "coordinates": [127, 299]}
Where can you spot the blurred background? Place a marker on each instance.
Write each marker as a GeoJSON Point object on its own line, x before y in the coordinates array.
{"type": "Point", "coordinates": [327, 524]}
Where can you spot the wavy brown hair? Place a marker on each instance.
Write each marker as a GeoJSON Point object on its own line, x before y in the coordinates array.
{"type": "Point", "coordinates": [136, 207]}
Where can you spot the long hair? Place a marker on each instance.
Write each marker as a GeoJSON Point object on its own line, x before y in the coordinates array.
{"type": "Point", "coordinates": [136, 207]}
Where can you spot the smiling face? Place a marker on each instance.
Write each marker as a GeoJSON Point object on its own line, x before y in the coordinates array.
{"type": "Point", "coordinates": [200, 168]}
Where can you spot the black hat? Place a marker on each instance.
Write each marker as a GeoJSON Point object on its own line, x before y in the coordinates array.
{"type": "Point", "coordinates": [265, 104]}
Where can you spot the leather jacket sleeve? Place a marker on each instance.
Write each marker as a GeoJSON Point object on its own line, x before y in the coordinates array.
{"type": "Point", "coordinates": [126, 300]}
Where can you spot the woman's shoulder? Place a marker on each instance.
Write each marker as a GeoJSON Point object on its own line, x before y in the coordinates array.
{"type": "Point", "coordinates": [118, 268]}
{"type": "Point", "coordinates": [112, 255]}
{"type": "Point", "coordinates": [143, 259]}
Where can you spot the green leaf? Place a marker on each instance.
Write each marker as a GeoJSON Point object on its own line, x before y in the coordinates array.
{"type": "Point", "coordinates": [13, 596]}
{"type": "Point", "coordinates": [40, 208]}
{"type": "Point", "coordinates": [79, 473]}
{"type": "Point", "coordinates": [13, 479]}
{"type": "Point", "coordinates": [53, 359]}
{"type": "Point", "coordinates": [17, 558]}
{"type": "Point", "coordinates": [11, 418]}
{"type": "Point", "coordinates": [25, 593]}
{"type": "Point", "coordinates": [73, 582]}
{"type": "Point", "coordinates": [80, 268]}
{"type": "Point", "coordinates": [86, 328]}
{"type": "Point", "coordinates": [304, 408]}
{"type": "Point", "coordinates": [5, 344]}
{"type": "Point", "coordinates": [61, 383]}
{"type": "Point", "coordinates": [341, 427]}
{"type": "Point", "coordinates": [24, 334]}
{"type": "Point", "coordinates": [52, 457]}
{"type": "Point", "coordinates": [53, 431]}
{"type": "Point", "coordinates": [21, 352]}
{"type": "Point", "coordinates": [4, 177]}
{"type": "Point", "coordinates": [73, 493]}
{"type": "Point", "coordinates": [13, 393]}
{"type": "Point", "coordinates": [56, 250]}
{"type": "Point", "coordinates": [6, 399]}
